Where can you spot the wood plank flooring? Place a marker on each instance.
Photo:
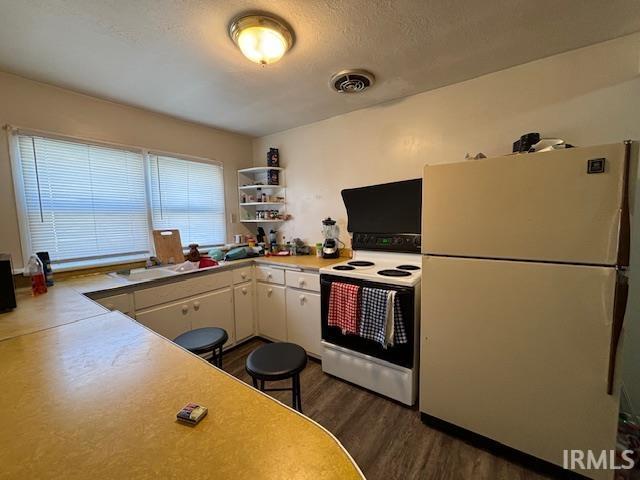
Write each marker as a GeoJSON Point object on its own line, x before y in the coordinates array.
{"type": "Point", "coordinates": [386, 439]}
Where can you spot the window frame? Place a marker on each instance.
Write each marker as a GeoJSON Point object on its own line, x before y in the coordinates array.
{"type": "Point", "coordinates": [14, 132]}
{"type": "Point", "coordinates": [187, 158]}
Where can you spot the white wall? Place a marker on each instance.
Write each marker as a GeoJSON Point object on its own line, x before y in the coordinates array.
{"type": "Point", "coordinates": [28, 104]}
{"type": "Point", "coordinates": [588, 96]}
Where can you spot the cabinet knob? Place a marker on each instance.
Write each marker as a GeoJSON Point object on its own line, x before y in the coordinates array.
{"type": "Point", "coordinates": [244, 291]}
{"type": "Point", "coordinates": [269, 276]}
{"type": "Point", "coordinates": [243, 275]}
{"type": "Point", "coordinates": [301, 282]}
{"type": "Point", "coordinates": [302, 299]}
{"type": "Point", "coordinates": [185, 309]}
{"type": "Point", "coordinates": [196, 305]}
{"type": "Point", "coordinates": [270, 291]}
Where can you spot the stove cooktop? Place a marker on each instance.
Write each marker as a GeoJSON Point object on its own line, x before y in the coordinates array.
{"type": "Point", "coordinates": [385, 267]}
{"type": "Point", "coordinates": [391, 272]}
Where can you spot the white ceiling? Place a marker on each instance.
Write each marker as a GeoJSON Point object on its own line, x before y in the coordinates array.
{"type": "Point", "coordinates": [175, 57]}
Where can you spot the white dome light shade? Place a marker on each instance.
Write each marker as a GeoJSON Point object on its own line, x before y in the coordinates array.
{"type": "Point", "coordinates": [261, 39]}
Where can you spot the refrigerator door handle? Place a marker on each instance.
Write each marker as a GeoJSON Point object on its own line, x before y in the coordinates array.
{"type": "Point", "coordinates": [619, 310]}
{"type": "Point", "coordinates": [624, 227]}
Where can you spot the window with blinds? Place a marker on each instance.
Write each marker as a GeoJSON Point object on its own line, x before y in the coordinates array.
{"type": "Point", "coordinates": [188, 196]}
{"type": "Point", "coordinates": [83, 201]}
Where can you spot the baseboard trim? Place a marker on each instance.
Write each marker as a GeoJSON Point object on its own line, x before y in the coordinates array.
{"type": "Point", "coordinates": [533, 463]}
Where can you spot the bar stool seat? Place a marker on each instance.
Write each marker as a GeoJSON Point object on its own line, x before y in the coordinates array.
{"type": "Point", "coordinates": [204, 340]}
{"type": "Point", "coordinates": [278, 361]}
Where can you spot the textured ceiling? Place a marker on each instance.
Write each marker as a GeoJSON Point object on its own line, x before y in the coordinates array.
{"type": "Point", "coordinates": [175, 57]}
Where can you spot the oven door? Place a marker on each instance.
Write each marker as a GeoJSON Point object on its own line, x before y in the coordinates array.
{"type": "Point", "coordinates": [398, 354]}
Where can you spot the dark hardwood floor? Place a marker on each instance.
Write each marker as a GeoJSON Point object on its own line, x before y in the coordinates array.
{"type": "Point", "coordinates": [386, 439]}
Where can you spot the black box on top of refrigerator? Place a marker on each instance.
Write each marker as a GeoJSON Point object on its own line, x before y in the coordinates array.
{"type": "Point", "coordinates": [7, 287]}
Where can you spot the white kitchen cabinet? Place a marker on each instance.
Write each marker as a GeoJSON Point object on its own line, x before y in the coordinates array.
{"type": "Point", "coordinates": [303, 280]}
{"type": "Point", "coordinates": [213, 309]}
{"type": "Point", "coordinates": [182, 287]}
{"type": "Point", "coordinates": [272, 322]}
{"type": "Point", "coordinates": [303, 320]}
{"type": "Point", "coordinates": [122, 303]}
{"type": "Point", "coordinates": [269, 274]}
{"type": "Point", "coordinates": [243, 274]}
{"type": "Point", "coordinates": [168, 320]}
{"type": "Point", "coordinates": [243, 298]}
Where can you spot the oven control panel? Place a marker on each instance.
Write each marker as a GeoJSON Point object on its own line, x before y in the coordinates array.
{"type": "Point", "coordinates": [390, 242]}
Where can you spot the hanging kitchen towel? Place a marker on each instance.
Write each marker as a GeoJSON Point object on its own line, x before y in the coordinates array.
{"type": "Point", "coordinates": [399, 330]}
{"type": "Point", "coordinates": [389, 322]}
{"type": "Point", "coordinates": [344, 309]}
{"type": "Point", "coordinates": [373, 317]}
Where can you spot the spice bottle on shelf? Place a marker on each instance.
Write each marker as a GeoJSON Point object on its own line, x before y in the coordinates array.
{"type": "Point", "coordinates": [35, 270]}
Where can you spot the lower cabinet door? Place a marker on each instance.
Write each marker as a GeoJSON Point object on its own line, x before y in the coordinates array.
{"type": "Point", "coordinates": [214, 309]}
{"type": "Point", "coordinates": [243, 298]}
{"type": "Point", "coordinates": [272, 322]}
{"type": "Point", "coordinates": [168, 320]}
{"type": "Point", "coordinates": [303, 320]}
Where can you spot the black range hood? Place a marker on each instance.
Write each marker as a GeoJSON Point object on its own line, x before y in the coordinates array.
{"type": "Point", "coordinates": [385, 208]}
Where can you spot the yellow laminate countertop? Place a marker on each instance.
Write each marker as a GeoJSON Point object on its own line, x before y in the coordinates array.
{"type": "Point", "coordinates": [98, 398]}
{"type": "Point", "coordinates": [300, 261]}
{"type": "Point", "coordinates": [91, 393]}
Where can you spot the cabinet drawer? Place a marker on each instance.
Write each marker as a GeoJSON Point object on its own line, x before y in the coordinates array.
{"type": "Point", "coordinates": [181, 289]}
{"type": "Point", "coordinates": [122, 302]}
{"type": "Point", "coordinates": [243, 274]}
{"type": "Point", "coordinates": [305, 281]}
{"type": "Point", "coordinates": [270, 275]}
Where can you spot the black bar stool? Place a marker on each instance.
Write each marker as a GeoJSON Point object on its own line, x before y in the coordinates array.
{"type": "Point", "coordinates": [278, 361]}
{"type": "Point", "coordinates": [204, 340]}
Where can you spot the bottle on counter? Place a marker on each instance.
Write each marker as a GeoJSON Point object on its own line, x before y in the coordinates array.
{"type": "Point", "coordinates": [46, 265]}
{"type": "Point", "coordinates": [35, 270]}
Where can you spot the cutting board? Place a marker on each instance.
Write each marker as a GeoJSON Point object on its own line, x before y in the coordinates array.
{"type": "Point", "coordinates": [168, 246]}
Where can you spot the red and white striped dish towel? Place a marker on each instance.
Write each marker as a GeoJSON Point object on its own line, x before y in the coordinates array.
{"type": "Point", "coordinates": [344, 307]}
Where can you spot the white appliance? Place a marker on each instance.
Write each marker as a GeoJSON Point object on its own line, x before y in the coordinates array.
{"type": "Point", "coordinates": [391, 372]}
{"type": "Point", "coordinates": [383, 260]}
{"type": "Point", "coordinates": [525, 265]}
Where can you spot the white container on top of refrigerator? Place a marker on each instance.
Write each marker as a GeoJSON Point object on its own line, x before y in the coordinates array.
{"type": "Point", "coordinates": [524, 288]}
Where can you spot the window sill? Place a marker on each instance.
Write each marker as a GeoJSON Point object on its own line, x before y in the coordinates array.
{"type": "Point", "coordinates": [97, 263]}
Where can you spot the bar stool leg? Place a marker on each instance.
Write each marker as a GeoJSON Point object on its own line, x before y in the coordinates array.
{"type": "Point", "coordinates": [296, 392]}
{"type": "Point", "coordinates": [255, 382]}
{"type": "Point", "coordinates": [220, 358]}
{"type": "Point", "coordinates": [262, 385]}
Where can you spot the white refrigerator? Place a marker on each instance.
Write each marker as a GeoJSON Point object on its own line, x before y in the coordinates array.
{"type": "Point", "coordinates": [524, 289]}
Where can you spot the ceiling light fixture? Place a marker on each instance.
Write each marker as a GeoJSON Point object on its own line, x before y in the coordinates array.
{"type": "Point", "coordinates": [260, 38]}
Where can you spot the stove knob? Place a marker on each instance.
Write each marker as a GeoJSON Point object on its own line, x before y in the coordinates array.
{"type": "Point", "coordinates": [397, 241]}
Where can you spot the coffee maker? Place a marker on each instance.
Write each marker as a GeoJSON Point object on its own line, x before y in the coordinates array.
{"type": "Point", "coordinates": [330, 232]}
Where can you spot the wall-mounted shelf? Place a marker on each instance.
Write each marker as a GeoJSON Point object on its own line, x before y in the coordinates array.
{"type": "Point", "coordinates": [262, 221]}
{"type": "Point", "coordinates": [253, 187]}
{"type": "Point", "coordinates": [253, 184]}
{"type": "Point", "coordinates": [259, 169]}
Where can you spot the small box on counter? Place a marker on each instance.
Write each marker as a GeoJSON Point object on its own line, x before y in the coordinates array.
{"type": "Point", "coordinates": [191, 413]}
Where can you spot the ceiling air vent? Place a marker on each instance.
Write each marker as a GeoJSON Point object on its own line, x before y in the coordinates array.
{"type": "Point", "coordinates": [351, 81]}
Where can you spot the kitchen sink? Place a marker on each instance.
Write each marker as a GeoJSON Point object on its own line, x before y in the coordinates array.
{"type": "Point", "coordinates": [142, 274]}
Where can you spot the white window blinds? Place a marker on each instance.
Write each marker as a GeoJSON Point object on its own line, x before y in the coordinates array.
{"type": "Point", "coordinates": [83, 201]}
{"type": "Point", "coordinates": [188, 196]}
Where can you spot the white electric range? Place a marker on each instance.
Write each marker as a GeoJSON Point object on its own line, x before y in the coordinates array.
{"type": "Point", "coordinates": [389, 262]}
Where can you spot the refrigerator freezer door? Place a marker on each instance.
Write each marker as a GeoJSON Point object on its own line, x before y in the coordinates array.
{"type": "Point", "coordinates": [519, 352]}
{"type": "Point", "coordinates": [542, 206]}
